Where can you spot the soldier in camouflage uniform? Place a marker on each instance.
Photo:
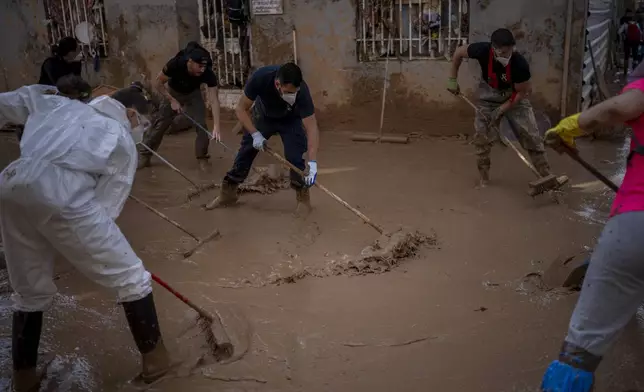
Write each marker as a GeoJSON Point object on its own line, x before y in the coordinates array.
{"type": "Point", "coordinates": [503, 91]}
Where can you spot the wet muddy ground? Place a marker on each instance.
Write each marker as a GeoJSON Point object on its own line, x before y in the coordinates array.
{"type": "Point", "coordinates": [457, 317]}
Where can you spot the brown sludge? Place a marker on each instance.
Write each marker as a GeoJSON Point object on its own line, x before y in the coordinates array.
{"type": "Point", "coordinates": [365, 137]}
{"type": "Point", "coordinates": [384, 255]}
{"type": "Point", "coordinates": [265, 180]}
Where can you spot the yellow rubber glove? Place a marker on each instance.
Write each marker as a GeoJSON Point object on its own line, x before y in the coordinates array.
{"type": "Point", "coordinates": [567, 130]}
{"type": "Point", "coordinates": [452, 86]}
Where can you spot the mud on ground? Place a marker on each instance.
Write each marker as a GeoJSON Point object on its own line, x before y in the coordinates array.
{"type": "Point", "coordinates": [457, 316]}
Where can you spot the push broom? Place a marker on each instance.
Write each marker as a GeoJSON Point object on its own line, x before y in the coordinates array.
{"type": "Point", "coordinates": [543, 184]}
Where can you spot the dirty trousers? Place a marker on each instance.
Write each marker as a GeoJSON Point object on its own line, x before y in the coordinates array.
{"type": "Point", "coordinates": [194, 106]}
{"type": "Point", "coordinates": [293, 138]}
{"type": "Point", "coordinates": [85, 235]}
{"type": "Point", "coordinates": [522, 122]}
{"type": "Point", "coordinates": [613, 287]}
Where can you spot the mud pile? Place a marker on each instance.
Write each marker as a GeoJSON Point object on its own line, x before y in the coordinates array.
{"type": "Point", "coordinates": [384, 255]}
{"type": "Point", "coordinates": [265, 180]}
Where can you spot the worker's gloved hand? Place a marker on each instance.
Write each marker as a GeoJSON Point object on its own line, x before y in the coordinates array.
{"type": "Point", "coordinates": [453, 87]}
{"type": "Point", "coordinates": [565, 132]}
{"type": "Point", "coordinates": [313, 173]}
{"type": "Point", "coordinates": [258, 140]}
{"type": "Point", "coordinates": [175, 105]}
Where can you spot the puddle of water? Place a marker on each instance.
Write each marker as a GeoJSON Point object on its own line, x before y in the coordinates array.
{"type": "Point", "coordinates": [596, 203]}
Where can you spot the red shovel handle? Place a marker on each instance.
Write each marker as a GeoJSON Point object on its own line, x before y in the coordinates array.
{"type": "Point", "coordinates": [185, 300]}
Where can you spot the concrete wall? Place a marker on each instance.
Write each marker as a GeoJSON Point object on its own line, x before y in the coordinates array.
{"type": "Point", "coordinates": [143, 35]}
{"type": "Point", "coordinates": [326, 34]}
{"type": "Point", "coordinates": [23, 43]}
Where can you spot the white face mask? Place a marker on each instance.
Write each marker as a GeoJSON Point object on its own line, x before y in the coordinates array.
{"type": "Point", "coordinates": [114, 109]}
{"type": "Point", "coordinates": [289, 98]}
{"type": "Point", "coordinates": [138, 131]}
{"type": "Point", "coordinates": [503, 60]}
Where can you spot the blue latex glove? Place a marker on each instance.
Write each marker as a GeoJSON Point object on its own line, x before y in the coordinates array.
{"type": "Point", "coordinates": [258, 140]}
{"type": "Point", "coordinates": [313, 173]}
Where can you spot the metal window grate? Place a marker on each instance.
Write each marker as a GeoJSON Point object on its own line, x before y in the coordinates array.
{"type": "Point", "coordinates": [227, 43]}
{"type": "Point", "coordinates": [412, 29]}
{"type": "Point", "coordinates": [65, 16]}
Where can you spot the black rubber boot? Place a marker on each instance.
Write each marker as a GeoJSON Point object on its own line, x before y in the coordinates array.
{"type": "Point", "coordinates": [227, 196]}
{"type": "Point", "coordinates": [26, 330]}
{"type": "Point", "coordinates": [142, 318]}
{"type": "Point", "coordinates": [144, 161]}
{"type": "Point", "coordinates": [303, 197]}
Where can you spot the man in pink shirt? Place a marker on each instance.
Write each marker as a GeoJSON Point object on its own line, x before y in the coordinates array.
{"type": "Point", "coordinates": [614, 285]}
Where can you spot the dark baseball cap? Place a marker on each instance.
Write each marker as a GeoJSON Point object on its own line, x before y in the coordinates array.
{"type": "Point", "coordinates": [199, 55]}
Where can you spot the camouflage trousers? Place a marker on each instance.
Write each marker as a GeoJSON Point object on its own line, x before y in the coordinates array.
{"type": "Point", "coordinates": [522, 122]}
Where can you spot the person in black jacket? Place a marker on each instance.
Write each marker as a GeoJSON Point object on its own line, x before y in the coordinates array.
{"type": "Point", "coordinates": [179, 82]}
{"type": "Point", "coordinates": [64, 61]}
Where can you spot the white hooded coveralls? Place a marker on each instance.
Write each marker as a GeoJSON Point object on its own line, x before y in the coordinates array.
{"type": "Point", "coordinates": [75, 171]}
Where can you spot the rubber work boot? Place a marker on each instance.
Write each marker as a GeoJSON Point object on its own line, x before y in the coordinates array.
{"type": "Point", "coordinates": [26, 330]}
{"type": "Point", "coordinates": [27, 380]}
{"type": "Point", "coordinates": [144, 161]}
{"type": "Point", "coordinates": [204, 166]}
{"type": "Point", "coordinates": [484, 173]}
{"type": "Point", "coordinates": [142, 318]}
{"type": "Point", "coordinates": [303, 197]}
{"type": "Point", "coordinates": [227, 196]}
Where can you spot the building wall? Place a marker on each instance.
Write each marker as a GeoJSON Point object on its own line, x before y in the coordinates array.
{"type": "Point", "coordinates": [23, 43]}
{"type": "Point", "coordinates": [326, 45]}
{"type": "Point", "coordinates": [143, 35]}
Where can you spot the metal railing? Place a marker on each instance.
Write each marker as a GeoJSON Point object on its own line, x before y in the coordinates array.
{"type": "Point", "coordinates": [227, 43]}
{"type": "Point", "coordinates": [599, 24]}
{"type": "Point", "coordinates": [63, 17]}
{"type": "Point", "coordinates": [417, 29]}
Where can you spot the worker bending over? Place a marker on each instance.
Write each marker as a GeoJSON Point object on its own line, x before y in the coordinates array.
{"type": "Point", "coordinates": [282, 105]}
{"type": "Point", "coordinates": [75, 171]}
{"type": "Point", "coordinates": [613, 288]}
{"type": "Point", "coordinates": [503, 92]}
{"type": "Point", "coordinates": [184, 74]}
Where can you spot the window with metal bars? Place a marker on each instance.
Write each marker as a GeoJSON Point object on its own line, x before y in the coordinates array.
{"type": "Point", "coordinates": [411, 29]}
{"type": "Point", "coordinates": [82, 19]}
{"type": "Point", "coordinates": [228, 42]}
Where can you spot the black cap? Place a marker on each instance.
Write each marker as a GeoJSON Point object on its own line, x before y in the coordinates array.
{"type": "Point", "coordinates": [199, 55]}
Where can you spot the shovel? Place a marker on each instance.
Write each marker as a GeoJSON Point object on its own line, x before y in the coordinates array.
{"type": "Point", "coordinates": [543, 184]}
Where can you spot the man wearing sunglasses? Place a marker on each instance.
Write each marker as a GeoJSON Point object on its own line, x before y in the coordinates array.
{"type": "Point", "coordinates": [276, 100]}
{"type": "Point", "coordinates": [184, 74]}
{"type": "Point", "coordinates": [503, 92]}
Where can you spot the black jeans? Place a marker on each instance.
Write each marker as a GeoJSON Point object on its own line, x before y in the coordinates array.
{"type": "Point", "coordinates": [631, 50]}
{"type": "Point", "coordinates": [194, 106]}
{"type": "Point", "coordinates": [295, 145]}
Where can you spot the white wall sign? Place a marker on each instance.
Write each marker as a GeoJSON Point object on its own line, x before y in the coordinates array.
{"type": "Point", "coordinates": [267, 7]}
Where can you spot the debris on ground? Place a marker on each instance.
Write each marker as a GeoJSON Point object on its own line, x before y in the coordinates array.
{"type": "Point", "coordinates": [382, 256]}
{"type": "Point", "coordinates": [534, 286]}
{"type": "Point", "coordinates": [265, 180]}
{"type": "Point", "coordinates": [399, 344]}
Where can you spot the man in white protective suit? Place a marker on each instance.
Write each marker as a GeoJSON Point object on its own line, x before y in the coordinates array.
{"type": "Point", "coordinates": [74, 174]}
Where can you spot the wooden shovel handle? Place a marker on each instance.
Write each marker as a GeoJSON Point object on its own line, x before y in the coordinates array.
{"type": "Point", "coordinates": [325, 190]}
